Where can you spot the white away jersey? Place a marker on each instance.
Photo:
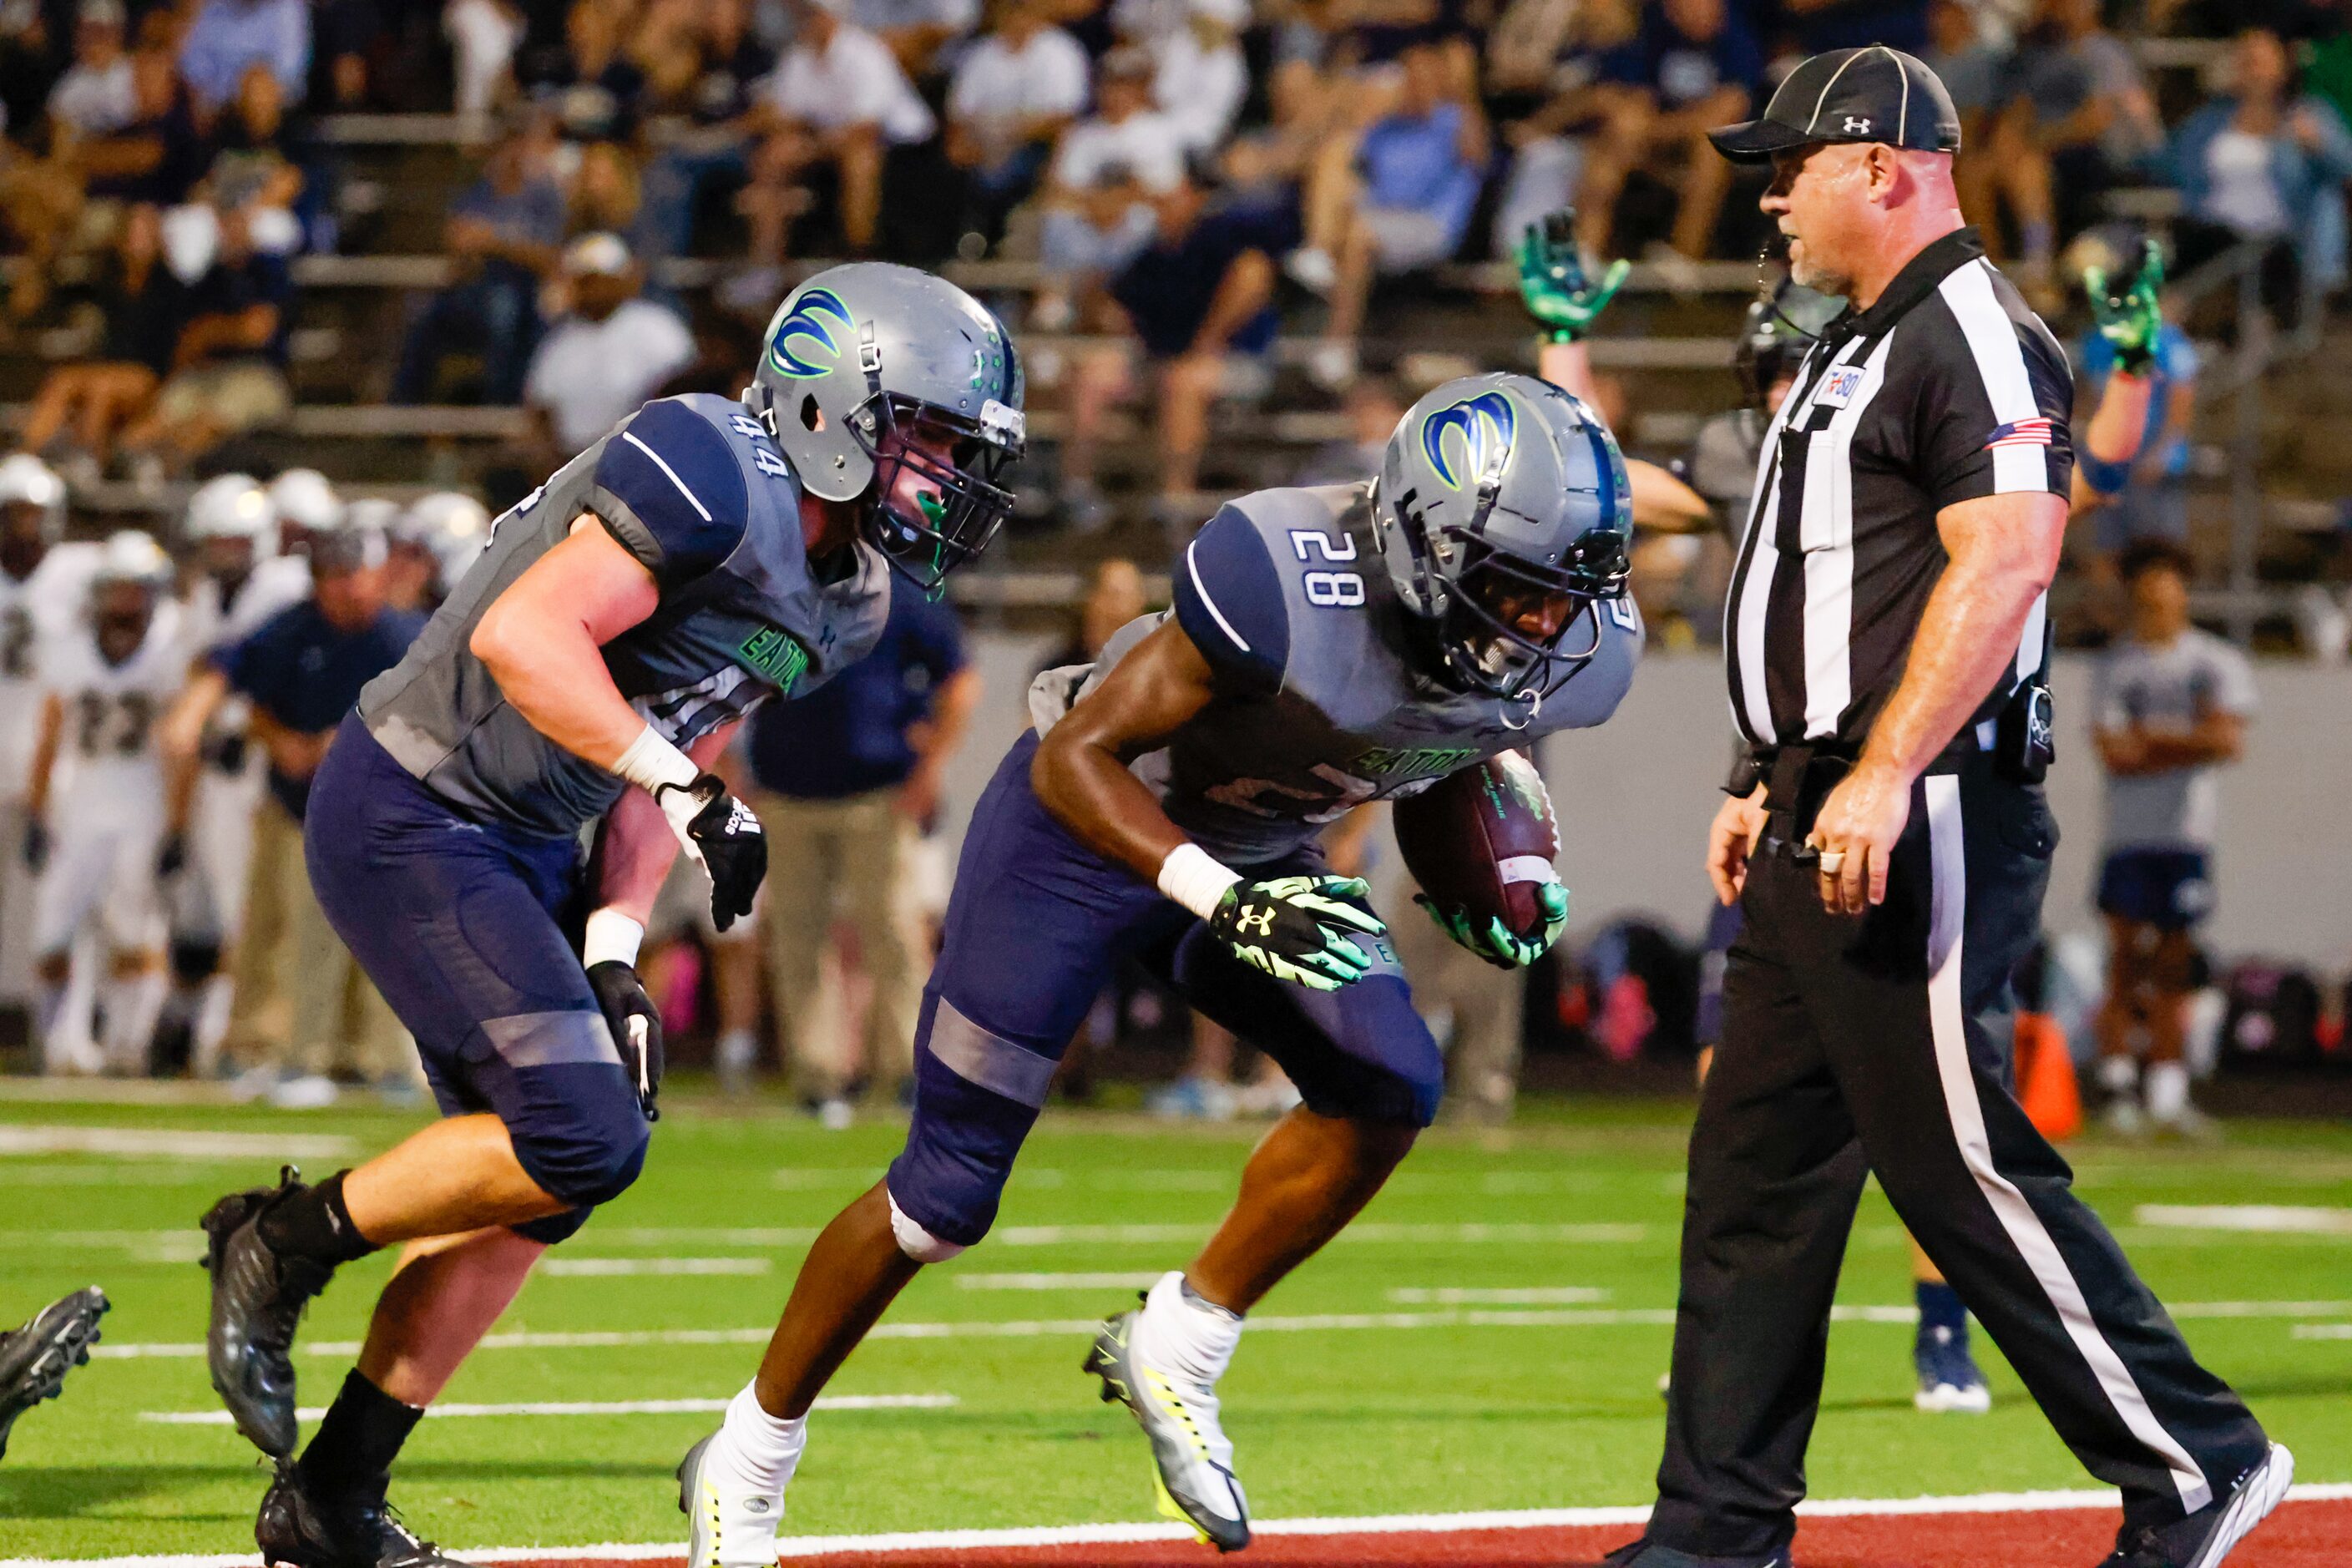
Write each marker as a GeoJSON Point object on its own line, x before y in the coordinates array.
{"type": "Point", "coordinates": [106, 753]}
{"type": "Point", "coordinates": [36, 612]}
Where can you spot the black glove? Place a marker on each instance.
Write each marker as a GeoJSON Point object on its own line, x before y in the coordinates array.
{"type": "Point", "coordinates": [721, 836]}
{"type": "Point", "coordinates": [173, 858]}
{"type": "Point", "coordinates": [36, 846]}
{"type": "Point", "coordinates": [1297, 929]}
{"type": "Point", "coordinates": [637, 1027]}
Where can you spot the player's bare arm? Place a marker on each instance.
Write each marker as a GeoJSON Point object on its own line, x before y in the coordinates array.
{"type": "Point", "coordinates": [1081, 772]}
{"type": "Point", "coordinates": [540, 639]}
{"type": "Point", "coordinates": [2004, 551]}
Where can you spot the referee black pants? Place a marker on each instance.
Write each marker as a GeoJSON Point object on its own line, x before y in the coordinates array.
{"type": "Point", "coordinates": [1878, 1043]}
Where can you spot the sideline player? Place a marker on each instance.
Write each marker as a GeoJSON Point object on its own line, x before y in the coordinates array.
{"type": "Point", "coordinates": [215, 777]}
{"type": "Point", "coordinates": [1327, 647]}
{"type": "Point", "coordinates": [94, 802]}
{"type": "Point", "coordinates": [42, 584]}
{"type": "Point", "coordinates": [704, 556]}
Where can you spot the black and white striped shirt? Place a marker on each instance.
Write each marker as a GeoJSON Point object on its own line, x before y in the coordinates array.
{"type": "Point", "coordinates": [1948, 388]}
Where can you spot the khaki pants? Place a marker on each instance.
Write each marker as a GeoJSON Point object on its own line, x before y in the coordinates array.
{"type": "Point", "coordinates": [1484, 1005]}
{"type": "Point", "coordinates": [324, 1017]}
{"type": "Point", "coordinates": [851, 860]}
{"type": "Point", "coordinates": [16, 906]}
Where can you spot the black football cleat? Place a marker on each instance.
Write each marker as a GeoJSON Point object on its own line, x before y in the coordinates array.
{"type": "Point", "coordinates": [257, 1300]}
{"type": "Point", "coordinates": [301, 1528]}
{"type": "Point", "coordinates": [2205, 1537]}
{"type": "Point", "coordinates": [35, 1358]}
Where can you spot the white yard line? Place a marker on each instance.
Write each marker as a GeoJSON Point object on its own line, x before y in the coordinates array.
{"type": "Point", "coordinates": [1533, 1296]}
{"type": "Point", "coordinates": [1114, 1534]}
{"type": "Point", "coordinates": [2278, 1219]}
{"type": "Point", "coordinates": [585, 1408]}
{"type": "Point", "coordinates": [159, 1144]}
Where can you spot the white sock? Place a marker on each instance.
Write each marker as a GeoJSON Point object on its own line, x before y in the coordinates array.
{"type": "Point", "coordinates": [2166, 1088]}
{"type": "Point", "coordinates": [760, 1451]}
{"type": "Point", "coordinates": [2119, 1075]}
{"type": "Point", "coordinates": [737, 1048]}
{"type": "Point", "coordinates": [134, 1006]}
{"type": "Point", "coordinates": [1188, 1335]}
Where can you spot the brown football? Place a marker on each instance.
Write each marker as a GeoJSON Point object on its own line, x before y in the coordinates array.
{"type": "Point", "coordinates": [1481, 839]}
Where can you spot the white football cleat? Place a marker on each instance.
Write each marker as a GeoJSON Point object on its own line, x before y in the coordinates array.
{"type": "Point", "coordinates": [727, 1525]}
{"type": "Point", "coordinates": [1191, 1458]}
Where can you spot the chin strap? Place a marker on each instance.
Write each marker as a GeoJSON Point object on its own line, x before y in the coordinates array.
{"type": "Point", "coordinates": [1534, 699]}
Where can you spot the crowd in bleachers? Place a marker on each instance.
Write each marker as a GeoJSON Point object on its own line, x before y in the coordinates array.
{"type": "Point", "coordinates": [1181, 174]}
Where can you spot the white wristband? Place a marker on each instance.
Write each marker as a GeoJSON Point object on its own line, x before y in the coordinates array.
{"type": "Point", "coordinates": [612, 937]}
{"type": "Point", "coordinates": [652, 762]}
{"type": "Point", "coordinates": [1195, 878]}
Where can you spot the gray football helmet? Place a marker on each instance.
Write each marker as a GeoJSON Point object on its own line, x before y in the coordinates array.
{"type": "Point", "coordinates": [863, 351]}
{"type": "Point", "coordinates": [1504, 501]}
{"type": "Point", "coordinates": [28, 483]}
{"type": "Point", "coordinates": [1782, 324]}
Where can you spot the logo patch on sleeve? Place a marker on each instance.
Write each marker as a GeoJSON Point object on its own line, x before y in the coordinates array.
{"type": "Point", "coordinates": [773, 654]}
{"type": "Point", "coordinates": [2021, 433]}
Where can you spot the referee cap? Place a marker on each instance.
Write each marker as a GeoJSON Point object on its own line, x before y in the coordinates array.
{"type": "Point", "coordinates": [1874, 94]}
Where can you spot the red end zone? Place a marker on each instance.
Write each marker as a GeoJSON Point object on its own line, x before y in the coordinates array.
{"type": "Point", "coordinates": [2311, 1533]}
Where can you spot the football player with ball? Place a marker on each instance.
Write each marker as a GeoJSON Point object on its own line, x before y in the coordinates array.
{"type": "Point", "coordinates": [1327, 647]}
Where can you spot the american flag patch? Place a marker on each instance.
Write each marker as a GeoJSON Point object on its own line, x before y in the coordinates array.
{"type": "Point", "coordinates": [2021, 433]}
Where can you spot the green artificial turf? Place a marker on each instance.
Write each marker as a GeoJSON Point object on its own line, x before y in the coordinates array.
{"type": "Point", "coordinates": [1403, 1417]}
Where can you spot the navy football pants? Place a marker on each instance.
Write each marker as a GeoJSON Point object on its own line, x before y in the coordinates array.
{"type": "Point", "coordinates": [456, 921]}
{"type": "Point", "coordinates": [1036, 924]}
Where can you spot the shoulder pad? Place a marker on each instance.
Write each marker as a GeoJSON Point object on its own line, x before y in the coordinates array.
{"type": "Point", "coordinates": [1229, 600]}
{"type": "Point", "coordinates": [671, 487]}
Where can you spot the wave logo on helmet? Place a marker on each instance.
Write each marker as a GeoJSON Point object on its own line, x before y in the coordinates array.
{"type": "Point", "coordinates": [1485, 423]}
{"type": "Point", "coordinates": [805, 321]}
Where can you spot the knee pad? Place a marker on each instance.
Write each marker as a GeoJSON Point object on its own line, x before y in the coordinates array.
{"type": "Point", "coordinates": [915, 1241]}
{"type": "Point", "coordinates": [586, 1147]}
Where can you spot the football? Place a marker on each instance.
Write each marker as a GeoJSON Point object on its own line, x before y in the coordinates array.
{"type": "Point", "coordinates": [1483, 839]}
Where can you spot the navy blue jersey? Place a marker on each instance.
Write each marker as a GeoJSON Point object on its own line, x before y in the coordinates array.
{"type": "Point", "coordinates": [695, 489]}
{"type": "Point", "coordinates": [306, 674]}
{"type": "Point", "coordinates": [1319, 707]}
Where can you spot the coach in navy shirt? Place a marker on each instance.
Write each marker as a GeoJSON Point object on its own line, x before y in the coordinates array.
{"type": "Point", "coordinates": [302, 672]}
{"type": "Point", "coordinates": [845, 782]}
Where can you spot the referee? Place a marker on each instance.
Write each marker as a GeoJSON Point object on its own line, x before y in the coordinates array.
{"type": "Point", "coordinates": [1888, 844]}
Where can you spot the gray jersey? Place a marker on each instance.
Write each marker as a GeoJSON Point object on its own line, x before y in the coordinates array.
{"type": "Point", "coordinates": [2168, 690]}
{"type": "Point", "coordinates": [695, 489]}
{"type": "Point", "coordinates": [1318, 707]}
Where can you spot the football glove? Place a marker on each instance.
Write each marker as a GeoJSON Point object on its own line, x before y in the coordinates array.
{"type": "Point", "coordinates": [1294, 928]}
{"type": "Point", "coordinates": [1494, 941]}
{"type": "Point", "coordinates": [36, 846]}
{"type": "Point", "coordinates": [1557, 292]}
{"type": "Point", "coordinates": [2126, 312]}
{"type": "Point", "coordinates": [720, 834]}
{"type": "Point", "coordinates": [636, 1028]}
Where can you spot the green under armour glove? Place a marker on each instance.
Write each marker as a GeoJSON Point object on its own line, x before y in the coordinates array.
{"type": "Point", "coordinates": [2128, 317]}
{"type": "Point", "coordinates": [1295, 929]}
{"type": "Point", "coordinates": [1560, 294]}
{"type": "Point", "coordinates": [1496, 943]}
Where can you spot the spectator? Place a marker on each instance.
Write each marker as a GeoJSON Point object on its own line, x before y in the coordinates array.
{"type": "Point", "coordinates": [2170, 705]}
{"type": "Point", "coordinates": [2153, 504]}
{"type": "Point", "coordinates": [484, 35]}
{"type": "Point", "coordinates": [228, 368]}
{"type": "Point", "coordinates": [1694, 65]}
{"type": "Point", "coordinates": [89, 402]}
{"type": "Point", "coordinates": [98, 95]}
{"type": "Point", "coordinates": [720, 126]}
{"type": "Point", "coordinates": [608, 354]}
{"type": "Point", "coordinates": [1099, 190]}
{"type": "Point", "coordinates": [1374, 408]}
{"type": "Point", "coordinates": [1200, 78]}
{"type": "Point", "coordinates": [159, 156]}
{"type": "Point", "coordinates": [914, 30]}
{"type": "Point", "coordinates": [1971, 70]}
{"type": "Point", "coordinates": [2080, 117]}
{"type": "Point", "coordinates": [846, 779]}
{"type": "Point", "coordinates": [252, 172]}
{"type": "Point", "coordinates": [843, 100]}
{"type": "Point", "coordinates": [501, 237]}
{"type": "Point", "coordinates": [2262, 166]}
{"type": "Point", "coordinates": [1016, 89]}
{"type": "Point", "coordinates": [1403, 207]}
{"type": "Point", "coordinates": [605, 194]}
{"type": "Point", "coordinates": [229, 38]}
{"type": "Point", "coordinates": [1199, 299]}
{"type": "Point", "coordinates": [302, 672]}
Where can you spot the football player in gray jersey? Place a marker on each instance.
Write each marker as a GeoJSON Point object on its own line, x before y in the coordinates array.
{"type": "Point", "coordinates": [1327, 647]}
{"type": "Point", "coordinates": [704, 556]}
